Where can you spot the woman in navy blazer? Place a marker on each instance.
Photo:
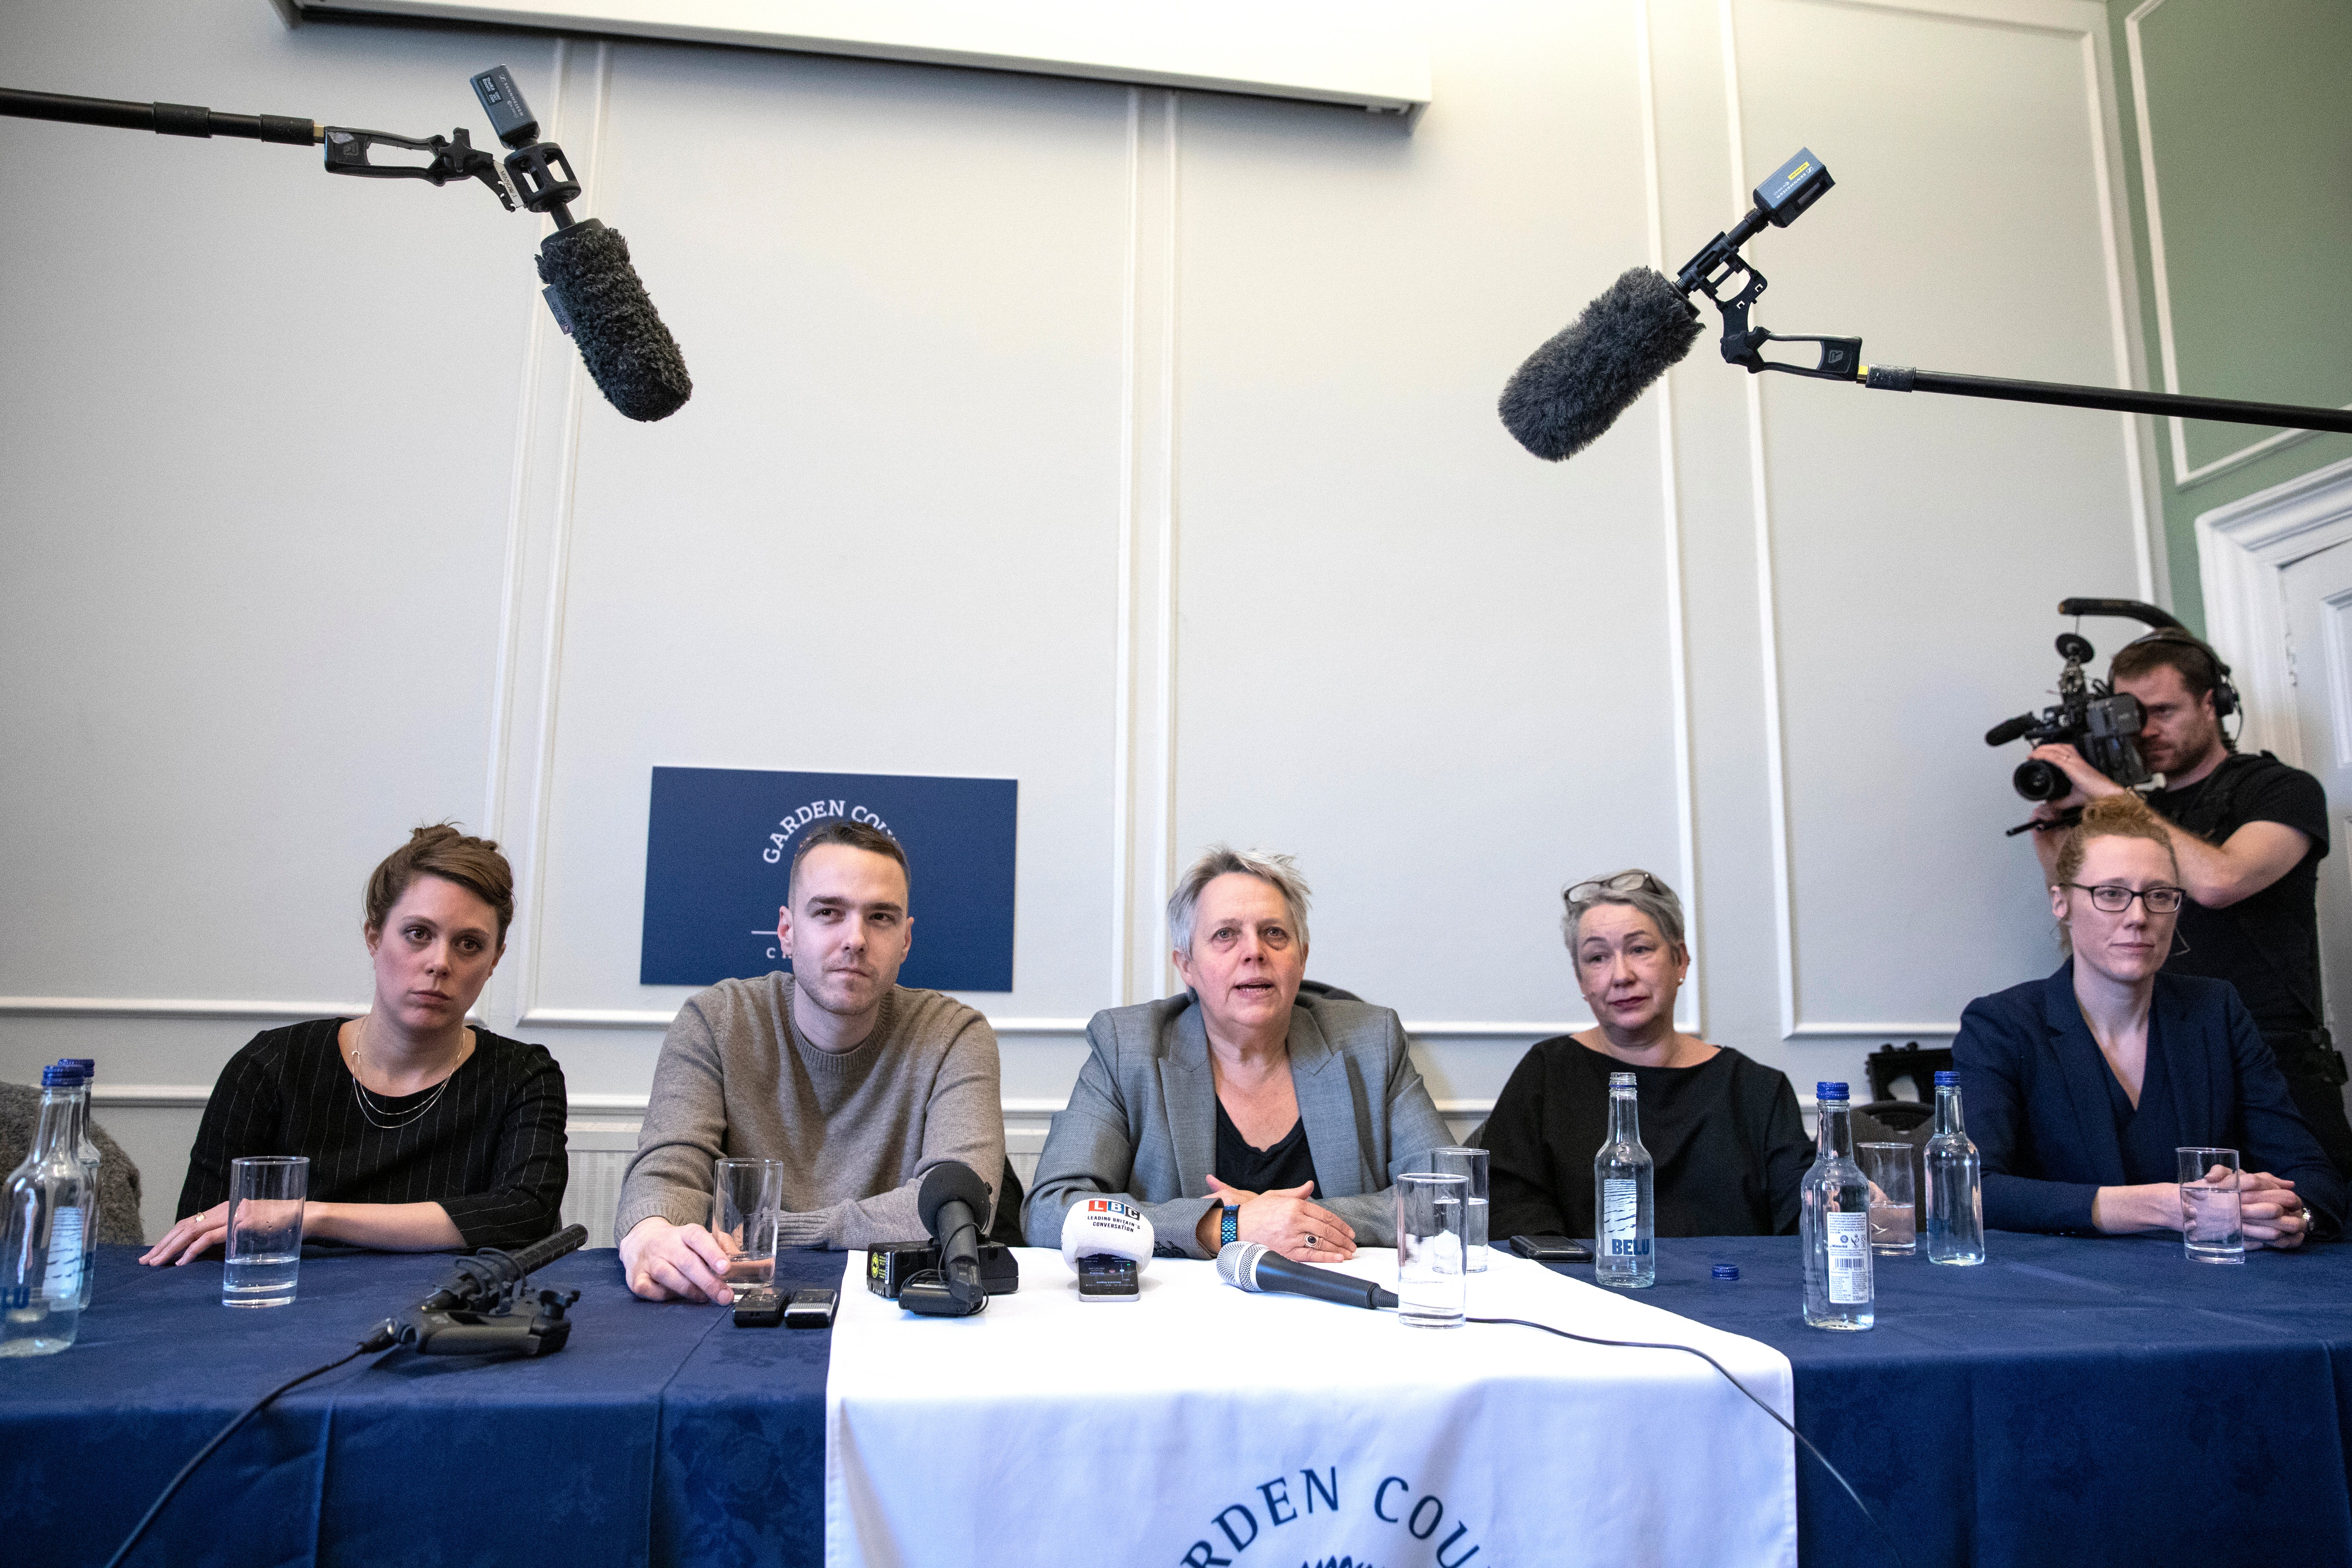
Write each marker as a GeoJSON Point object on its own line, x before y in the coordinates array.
{"type": "Point", "coordinates": [2079, 1087]}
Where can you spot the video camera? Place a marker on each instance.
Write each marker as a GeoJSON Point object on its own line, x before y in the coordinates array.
{"type": "Point", "coordinates": [2101, 723]}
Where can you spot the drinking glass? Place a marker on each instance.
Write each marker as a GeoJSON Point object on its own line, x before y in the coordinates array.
{"type": "Point", "coordinates": [1894, 1208]}
{"type": "Point", "coordinates": [745, 1200]}
{"type": "Point", "coordinates": [1470, 1164]}
{"type": "Point", "coordinates": [265, 1229]}
{"type": "Point", "coordinates": [1431, 1284]}
{"type": "Point", "coordinates": [2211, 1230]}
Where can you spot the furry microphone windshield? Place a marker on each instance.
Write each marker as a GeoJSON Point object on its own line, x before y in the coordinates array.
{"type": "Point", "coordinates": [599, 300]}
{"type": "Point", "coordinates": [1573, 388]}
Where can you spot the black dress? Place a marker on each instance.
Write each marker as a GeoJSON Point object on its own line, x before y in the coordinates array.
{"type": "Point", "coordinates": [1728, 1143]}
{"type": "Point", "coordinates": [490, 1151]}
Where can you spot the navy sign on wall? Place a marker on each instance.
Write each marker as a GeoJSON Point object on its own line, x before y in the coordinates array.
{"type": "Point", "coordinates": [718, 850]}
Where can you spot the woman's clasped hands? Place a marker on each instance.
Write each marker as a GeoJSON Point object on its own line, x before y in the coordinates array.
{"type": "Point", "coordinates": [1285, 1219]}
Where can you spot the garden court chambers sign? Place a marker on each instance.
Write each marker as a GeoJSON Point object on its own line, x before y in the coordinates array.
{"type": "Point", "coordinates": [719, 852]}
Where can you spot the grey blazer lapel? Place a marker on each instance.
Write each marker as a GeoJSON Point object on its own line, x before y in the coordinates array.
{"type": "Point", "coordinates": [1188, 1091]}
{"type": "Point", "coordinates": [1327, 1105]}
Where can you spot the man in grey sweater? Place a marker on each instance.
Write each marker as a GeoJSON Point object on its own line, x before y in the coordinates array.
{"type": "Point", "coordinates": [857, 1083]}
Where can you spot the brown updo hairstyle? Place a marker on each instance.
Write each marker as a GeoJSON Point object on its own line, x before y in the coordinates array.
{"type": "Point", "coordinates": [440, 849]}
{"type": "Point", "coordinates": [2123, 815]}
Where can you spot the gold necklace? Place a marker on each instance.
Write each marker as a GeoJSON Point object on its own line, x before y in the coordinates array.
{"type": "Point", "coordinates": [371, 1110]}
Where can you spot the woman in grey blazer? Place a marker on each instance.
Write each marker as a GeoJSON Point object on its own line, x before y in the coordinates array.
{"type": "Point", "coordinates": [1257, 1106]}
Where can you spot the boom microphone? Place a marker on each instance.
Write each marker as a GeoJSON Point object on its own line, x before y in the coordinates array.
{"type": "Point", "coordinates": [1573, 389]}
{"type": "Point", "coordinates": [596, 298]}
{"type": "Point", "coordinates": [1252, 1266]}
{"type": "Point", "coordinates": [591, 286]}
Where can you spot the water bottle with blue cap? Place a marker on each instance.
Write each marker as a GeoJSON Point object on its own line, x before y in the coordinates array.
{"type": "Point", "coordinates": [1955, 1194]}
{"type": "Point", "coordinates": [48, 1228]}
{"type": "Point", "coordinates": [1835, 1222]}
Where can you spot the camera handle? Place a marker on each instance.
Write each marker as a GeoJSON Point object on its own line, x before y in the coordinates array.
{"type": "Point", "coordinates": [2059, 823]}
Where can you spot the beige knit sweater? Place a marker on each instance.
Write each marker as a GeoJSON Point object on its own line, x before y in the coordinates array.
{"type": "Point", "coordinates": [856, 1130]}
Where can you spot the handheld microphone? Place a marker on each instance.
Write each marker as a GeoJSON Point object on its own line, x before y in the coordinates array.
{"type": "Point", "coordinates": [1570, 390]}
{"type": "Point", "coordinates": [1252, 1266]}
{"type": "Point", "coordinates": [951, 1201]}
{"type": "Point", "coordinates": [594, 293]}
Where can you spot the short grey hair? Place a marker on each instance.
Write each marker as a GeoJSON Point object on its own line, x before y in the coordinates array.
{"type": "Point", "coordinates": [1278, 872]}
{"type": "Point", "coordinates": [1664, 910]}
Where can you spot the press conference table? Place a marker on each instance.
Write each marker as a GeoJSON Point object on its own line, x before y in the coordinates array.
{"type": "Point", "coordinates": [2073, 1400]}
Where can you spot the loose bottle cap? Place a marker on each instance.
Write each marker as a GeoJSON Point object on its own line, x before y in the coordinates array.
{"type": "Point", "coordinates": [1726, 1271]}
{"type": "Point", "coordinates": [1829, 1092]}
{"type": "Point", "coordinates": [60, 1075]}
{"type": "Point", "coordinates": [1947, 1081]}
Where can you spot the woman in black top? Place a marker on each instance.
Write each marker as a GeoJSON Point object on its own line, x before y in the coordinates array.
{"type": "Point", "coordinates": [1728, 1146]}
{"type": "Point", "coordinates": [422, 1133]}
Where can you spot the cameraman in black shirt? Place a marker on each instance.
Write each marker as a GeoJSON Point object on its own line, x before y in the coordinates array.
{"type": "Point", "coordinates": [2250, 832]}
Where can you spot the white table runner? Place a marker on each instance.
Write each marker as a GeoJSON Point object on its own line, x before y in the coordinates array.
{"type": "Point", "coordinates": [1204, 1426]}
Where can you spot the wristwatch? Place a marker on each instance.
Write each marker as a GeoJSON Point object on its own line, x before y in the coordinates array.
{"type": "Point", "coordinates": [1229, 1228]}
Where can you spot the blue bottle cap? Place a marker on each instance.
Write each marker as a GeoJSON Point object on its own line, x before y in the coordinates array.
{"type": "Point", "coordinates": [1948, 1079]}
{"type": "Point", "coordinates": [1726, 1271]}
{"type": "Point", "coordinates": [89, 1065]}
{"type": "Point", "coordinates": [60, 1075]}
{"type": "Point", "coordinates": [1829, 1092]}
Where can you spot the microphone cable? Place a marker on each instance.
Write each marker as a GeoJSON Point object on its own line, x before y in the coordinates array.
{"type": "Point", "coordinates": [224, 1435]}
{"type": "Point", "coordinates": [1642, 1344]}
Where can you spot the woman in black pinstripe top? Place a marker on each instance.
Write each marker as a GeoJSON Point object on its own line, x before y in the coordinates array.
{"type": "Point", "coordinates": [422, 1133]}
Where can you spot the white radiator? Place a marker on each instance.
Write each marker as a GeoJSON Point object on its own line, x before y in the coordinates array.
{"type": "Point", "coordinates": [600, 1151]}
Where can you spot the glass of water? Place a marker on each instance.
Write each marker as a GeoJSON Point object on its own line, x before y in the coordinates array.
{"type": "Point", "coordinates": [265, 1229]}
{"type": "Point", "coordinates": [1894, 1206]}
{"type": "Point", "coordinates": [1470, 1164]}
{"type": "Point", "coordinates": [2211, 1230]}
{"type": "Point", "coordinates": [1431, 1282]}
{"type": "Point", "coordinates": [745, 1200]}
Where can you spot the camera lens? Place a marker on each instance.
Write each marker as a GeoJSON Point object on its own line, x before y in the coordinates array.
{"type": "Point", "coordinates": [2038, 781]}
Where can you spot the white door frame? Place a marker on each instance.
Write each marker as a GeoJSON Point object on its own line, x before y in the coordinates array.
{"type": "Point", "coordinates": [2242, 550]}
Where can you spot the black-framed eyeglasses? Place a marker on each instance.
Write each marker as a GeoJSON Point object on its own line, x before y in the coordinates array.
{"type": "Point", "coordinates": [2114, 898]}
{"type": "Point", "coordinates": [1624, 882]}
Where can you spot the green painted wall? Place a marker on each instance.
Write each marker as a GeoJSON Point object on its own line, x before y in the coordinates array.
{"type": "Point", "coordinates": [2250, 118]}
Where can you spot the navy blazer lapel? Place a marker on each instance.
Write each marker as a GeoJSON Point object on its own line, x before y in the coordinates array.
{"type": "Point", "coordinates": [1327, 1105]}
{"type": "Point", "coordinates": [2085, 1073]}
{"type": "Point", "coordinates": [1188, 1089]}
{"type": "Point", "coordinates": [2202, 1116]}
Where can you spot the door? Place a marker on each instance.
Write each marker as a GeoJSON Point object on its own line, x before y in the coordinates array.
{"type": "Point", "coordinates": [2318, 593]}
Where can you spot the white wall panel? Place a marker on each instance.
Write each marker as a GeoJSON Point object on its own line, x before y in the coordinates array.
{"type": "Point", "coordinates": [258, 426]}
{"type": "Point", "coordinates": [1434, 668]}
{"type": "Point", "coordinates": [1920, 542]}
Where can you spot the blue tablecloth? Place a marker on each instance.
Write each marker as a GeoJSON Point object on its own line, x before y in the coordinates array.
{"type": "Point", "coordinates": [2073, 1401]}
{"type": "Point", "coordinates": [661, 1433]}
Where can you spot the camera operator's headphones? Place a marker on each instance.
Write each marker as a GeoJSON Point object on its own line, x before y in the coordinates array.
{"type": "Point", "coordinates": [2225, 694]}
